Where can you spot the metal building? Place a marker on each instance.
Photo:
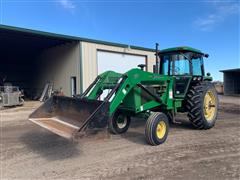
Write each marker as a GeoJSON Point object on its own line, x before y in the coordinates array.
{"type": "Point", "coordinates": [30, 59]}
{"type": "Point", "coordinates": [231, 84]}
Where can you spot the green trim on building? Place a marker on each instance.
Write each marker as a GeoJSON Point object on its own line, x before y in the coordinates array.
{"type": "Point", "coordinates": [43, 33]}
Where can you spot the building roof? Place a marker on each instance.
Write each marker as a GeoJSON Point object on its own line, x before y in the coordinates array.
{"type": "Point", "coordinates": [69, 38]}
{"type": "Point", "coordinates": [76, 38]}
{"type": "Point", "coordinates": [181, 48]}
{"type": "Point", "coordinates": [230, 70]}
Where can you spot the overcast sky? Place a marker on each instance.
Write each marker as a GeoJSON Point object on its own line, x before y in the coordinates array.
{"type": "Point", "coordinates": [212, 27]}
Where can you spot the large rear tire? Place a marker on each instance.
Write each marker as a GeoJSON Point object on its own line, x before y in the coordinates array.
{"type": "Point", "coordinates": [156, 130]}
{"type": "Point", "coordinates": [119, 123]}
{"type": "Point", "coordinates": [202, 105]}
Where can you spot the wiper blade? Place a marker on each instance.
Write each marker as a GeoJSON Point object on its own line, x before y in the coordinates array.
{"type": "Point", "coordinates": [186, 58]}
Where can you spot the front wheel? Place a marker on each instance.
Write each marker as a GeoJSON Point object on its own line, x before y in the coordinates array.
{"type": "Point", "coordinates": [119, 123]}
{"type": "Point", "coordinates": [156, 130]}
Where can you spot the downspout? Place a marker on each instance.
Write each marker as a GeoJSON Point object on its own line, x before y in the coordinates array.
{"type": "Point", "coordinates": [81, 67]}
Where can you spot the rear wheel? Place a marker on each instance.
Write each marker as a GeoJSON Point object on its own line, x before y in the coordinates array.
{"type": "Point", "coordinates": [156, 129]}
{"type": "Point", "coordinates": [202, 105]}
{"type": "Point", "coordinates": [119, 123]}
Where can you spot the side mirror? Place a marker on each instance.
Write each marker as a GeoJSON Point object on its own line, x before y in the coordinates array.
{"type": "Point", "coordinates": [208, 74]}
{"type": "Point", "coordinates": [206, 55]}
{"type": "Point", "coordinates": [142, 66]}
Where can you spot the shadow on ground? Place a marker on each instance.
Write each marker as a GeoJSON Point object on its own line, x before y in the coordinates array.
{"type": "Point", "coordinates": [182, 124]}
{"type": "Point", "coordinates": [50, 146]}
{"type": "Point", "coordinates": [136, 132]}
{"type": "Point", "coordinates": [135, 137]}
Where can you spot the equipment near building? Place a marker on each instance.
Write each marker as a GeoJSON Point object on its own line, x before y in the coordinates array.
{"type": "Point", "coordinates": [178, 84]}
{"type": "Point", "coordinates": [10, 96]}
{"type": "Point", "coordinates": [47, 92]}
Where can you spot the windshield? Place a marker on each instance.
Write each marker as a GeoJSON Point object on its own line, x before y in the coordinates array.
{"type": "Point", "coordinates": [181, 66]}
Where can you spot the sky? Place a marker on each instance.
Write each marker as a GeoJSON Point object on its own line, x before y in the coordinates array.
{"type": "Point", "coordinates": [211, 26]}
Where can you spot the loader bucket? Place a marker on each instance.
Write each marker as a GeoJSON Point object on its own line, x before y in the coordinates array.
{"type": "Point", "coordinates": [66, 116]}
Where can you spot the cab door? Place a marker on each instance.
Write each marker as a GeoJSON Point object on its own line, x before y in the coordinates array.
{"type": "Point", "coordinates": [181, 71]}
{"type": "Point", "coordinates": [178, 66]}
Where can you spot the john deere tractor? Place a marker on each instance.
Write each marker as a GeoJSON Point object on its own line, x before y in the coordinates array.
{"type": "Point", "coordinates": [177, 84]}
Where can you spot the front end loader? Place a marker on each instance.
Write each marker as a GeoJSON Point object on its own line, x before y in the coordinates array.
{"type": "Point", "coordinates": [178, 84]}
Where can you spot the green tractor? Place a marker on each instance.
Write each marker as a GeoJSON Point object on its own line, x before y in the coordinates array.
{"type": "Point", "coordinates": [178, 84]}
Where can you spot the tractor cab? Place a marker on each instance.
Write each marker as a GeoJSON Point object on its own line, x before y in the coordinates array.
{"type": "Point", "coordinates": [185, 64]}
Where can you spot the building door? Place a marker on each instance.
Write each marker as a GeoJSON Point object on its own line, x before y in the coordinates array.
{"type": "Point", "coordinates": [73, 85]}
{"type": "Point", "coordinates": [119, 62]}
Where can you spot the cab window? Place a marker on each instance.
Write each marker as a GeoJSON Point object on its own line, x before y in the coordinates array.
{"type": "Point", "coordinates": [197, 64]}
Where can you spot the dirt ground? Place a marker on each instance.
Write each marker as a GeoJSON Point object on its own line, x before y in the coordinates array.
{"type": "Point", "coordinates": [30, 152]}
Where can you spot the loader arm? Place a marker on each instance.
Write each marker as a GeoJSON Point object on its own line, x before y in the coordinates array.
{"type": "Point", "coordinates": [134, 84]}
{"type": "Point", "coordinates": [131, 89]}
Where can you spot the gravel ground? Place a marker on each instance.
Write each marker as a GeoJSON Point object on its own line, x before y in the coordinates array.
{"type": "Point", "coordinates": [30, 152]}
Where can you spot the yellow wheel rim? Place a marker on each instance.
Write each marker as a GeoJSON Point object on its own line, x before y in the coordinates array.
{"type": "Point", "coordinates": [161, 129]}
{"type": "Point", "coordinates": [209, 105]}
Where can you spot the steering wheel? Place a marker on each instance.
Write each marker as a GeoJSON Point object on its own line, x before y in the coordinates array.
{"type": "Point", "coordinates": [176, 70]}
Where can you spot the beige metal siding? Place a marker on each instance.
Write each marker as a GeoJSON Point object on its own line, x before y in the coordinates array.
{"type": "Point", "coordinates": [89, 59]}
{"type": "Point", "coordinates": [59, 64]}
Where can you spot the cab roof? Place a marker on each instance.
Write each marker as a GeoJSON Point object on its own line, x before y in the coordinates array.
{"type": "Point", "coordinates": [181, 49]}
